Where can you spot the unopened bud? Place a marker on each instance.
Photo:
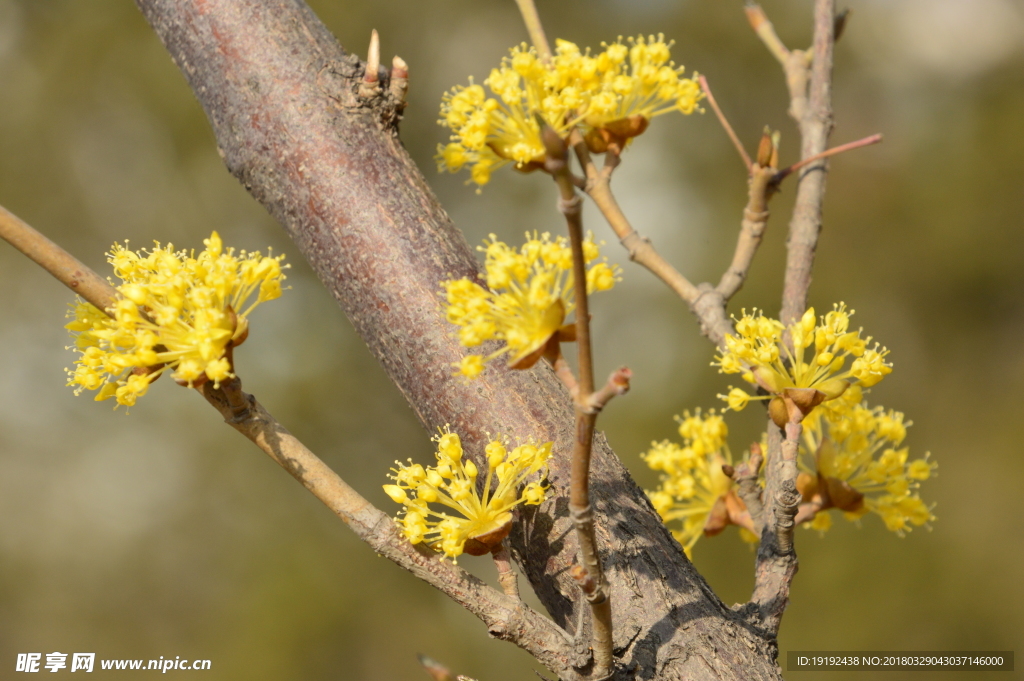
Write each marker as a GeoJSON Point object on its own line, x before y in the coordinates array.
{"type": "Point", "coordinates": [399, 84]}
{"type": "Point", "coordinates": [839, 24]}
{"type": "Point", "coordinates": [778, 412]}
{"type": "Point", "coordinates": [372, 59]}
{"type": "Point", "coordinates": [597, 141]}
{"type": "Point", "coordinates": [482, 544]}
{"type": "Point", "coordinates": [764, 148]}
{"type": "Point", "coordinates": [805, 399]}
{"type": "Point", "coordinates": [554, 145]}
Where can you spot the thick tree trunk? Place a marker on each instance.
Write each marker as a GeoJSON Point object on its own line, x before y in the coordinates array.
{"type": "Point", "coordinates": [281, 95]}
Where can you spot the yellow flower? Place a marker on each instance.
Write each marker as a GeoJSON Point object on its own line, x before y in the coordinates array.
{"type": "Point", "coordinates": [178, 311]}
{"type": "Point", "coordinates": [851, 461]}
{"type": "Point", "coordinates": [603, 94]}
{"type": "Point", "coordinates": [624, 98]}
{"type": "Point", "coordinates": [485, 511]}
{"type": "Point", "coordinates": [531, 294]}
{"type": "Point", "coordinates": [757, 352]}
{"type": "Point", "coordinates": [694, 489]}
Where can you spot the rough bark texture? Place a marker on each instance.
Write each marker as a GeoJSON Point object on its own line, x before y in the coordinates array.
{"type": "Point", "coordinates": [813, 114]}
{"type": "Point", "coordinates": [281, 96]}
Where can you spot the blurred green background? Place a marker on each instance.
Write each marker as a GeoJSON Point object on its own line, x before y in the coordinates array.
{"type": "Point", "coordinates": [165, 533]}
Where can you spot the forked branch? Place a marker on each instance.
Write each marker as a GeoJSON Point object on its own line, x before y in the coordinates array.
{"type": "Point", "coordinates": [506, 617]}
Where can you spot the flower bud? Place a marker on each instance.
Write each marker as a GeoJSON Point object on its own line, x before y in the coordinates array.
{"type": "Point", "coordinates": [778, 412]}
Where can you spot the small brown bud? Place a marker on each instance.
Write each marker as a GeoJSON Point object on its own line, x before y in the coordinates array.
{"type": "Point", "coordinates": [628, 127]}
{"type": "Point", "coordinates": [839, 24]}
{"type": "Point", "coordinates": [597, 141]}
{"type": "Point", "coordinates": [778, 412]}
{"type": "Point", "coordinates": [554, 145]}
{"type": "Point", "coordinates": [482, 544]}
{"type": "Point", "coordinates": [765, 148]}
{"type": "Point", "coordinates": [582, 578]}
{"type": "Point", "coordinates": [843, 496]}
{"type": "Point", "coordinates": [718, 518]}
{"type": "Point", "coordinates": [805, 399]}
{"type": "Point", "coordinates": [807, 485]}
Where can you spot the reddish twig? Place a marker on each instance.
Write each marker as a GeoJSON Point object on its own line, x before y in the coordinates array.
{"type": "Point", "coordinates": [617, 384]}
{"type": "Point", "coordinates": [580, 508]}
{"type": "Point", "coordinates": [872, 139]}
{"type": "Point", "coordinates": [725, 123]}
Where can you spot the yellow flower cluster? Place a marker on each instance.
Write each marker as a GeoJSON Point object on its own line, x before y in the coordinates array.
{"type": "Point", "coordinates": [453, 482]}
{"type": "Point", "coordinates": [851, 460]}
{"type": "Point", "coordinates": [758, 353]}
{"type": "Point", "coordinates": [531, 293]}
{"type": "Point", "coordinates": [178, 311]}
{"type": "Point", "coordinates": [609, 98]}
{"type": "Point", "coordinates": [693, 487]}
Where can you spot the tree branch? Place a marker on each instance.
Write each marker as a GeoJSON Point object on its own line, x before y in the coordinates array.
{"type": "Point", "coordinates": [594, 587]}
{"type": "Point", "coordinates": [506, 618]}
{"type": "Point", "coordinates": [810, 88]}
{"type": "Point", "coordinates": [534, 28]}
{"type": "Point", "coordinates": [814, 120]}
{"type": "Point", "coordinates": [733, 137]}
{"type": "Point", "coordinates": [282, 99]}
{"type": "Point", "coordinates": [65, 267]}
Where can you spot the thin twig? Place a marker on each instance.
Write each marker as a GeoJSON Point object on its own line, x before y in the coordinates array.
{"type": "Point", "coordinates": [725, 123]}
{"type": "Point", "coordinates": [745, 475]}
{"type": "Point", "coordinates": [873, 139]}
{"type": "Point", "coordinates": [506, 575]}
{"type": "Point", "coordinates": [766, 31]}
{"type": "Point", "coordinates": [580, 509]}
{"type": "Point", "coordinates": [67, 269]}
{"type": "Point", "coordinates": [562, 370]}
{"type": "Point", "coordinates": [640, 249]}
{"type": "Point", "coordinates": [705, 302]}
{"type": "Point", "coordinates": [617, 384]}
{"type": "Point", "coordinates": [534, 28]}
{"type": "Point", "coordinates": [752, 227]}
{"type": "Point", "coordinates": [505, 618]}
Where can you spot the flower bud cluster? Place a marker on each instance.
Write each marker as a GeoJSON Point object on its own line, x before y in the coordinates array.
{"type": "Point", "coordinates": [694, 489]}
{"type": "Point", "coordinates": [179, 311]}
{"type": "Point", "coordinates": [760, 354]}
{"type": "Point", "coordinates": [531, 291]}
{"type": "Point", "coordinates": [612, 96]}
{"type": "Point", "coordinates": [484, 507]}
{"type": "Point", "coordinates": [851, 461]}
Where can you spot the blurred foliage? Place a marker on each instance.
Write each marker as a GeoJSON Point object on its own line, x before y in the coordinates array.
{"type": "Point", "coordinates": [163, 533]}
